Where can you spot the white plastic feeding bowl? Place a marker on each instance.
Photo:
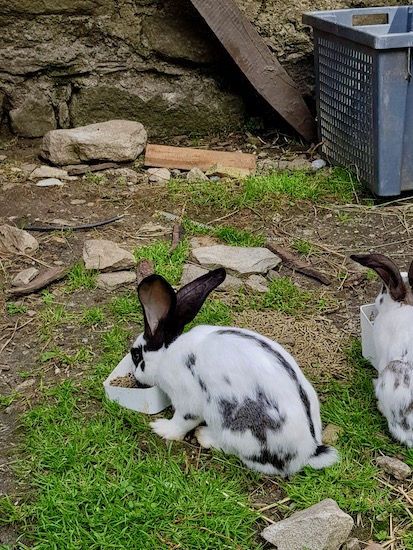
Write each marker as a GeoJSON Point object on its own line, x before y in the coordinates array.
{"type": "Point", "coordinates": [146, 400]}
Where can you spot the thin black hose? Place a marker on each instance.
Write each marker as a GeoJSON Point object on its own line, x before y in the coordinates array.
{"type": "Point", "coordinates": [70, 227]}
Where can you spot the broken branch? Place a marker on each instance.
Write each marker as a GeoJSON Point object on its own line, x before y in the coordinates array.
{"type": "Point", "coordinates": [291, 261]}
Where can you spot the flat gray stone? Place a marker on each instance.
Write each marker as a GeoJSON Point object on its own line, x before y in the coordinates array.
{"type": "Point", "coordinates": [112, 281]}
{"type": "Point", "coordinates": [393, 466]}
{"type": "Point", "coordinates": [43, 172]}
{"type": "Point", "coordinates": [17, 241]}
{"type": "Point", "coordinates": [331, 433]}
{"type": "Point", "coordinates": [106, 256]}
{"type": "Point", "coordinates": [196, 174]}
{"type": "Point", "coordinates": [242, 260]}
{"type": "Point", "coordinates": [159, 175]}
{"type": "Point", "coordinates": [127, 174]}
{"type": "Point", "coordinates": [25, 276]}
{"type": "Point", "coordinates": [192, 271]}
{"type": "Point", "coordinates": [115, 140]}
{"type": "Point", "coordinates": [257, 283]}
{"type": "Point", "coordinates": [323, 526]}
{"type": "Point", "coordinates": [49, 182]}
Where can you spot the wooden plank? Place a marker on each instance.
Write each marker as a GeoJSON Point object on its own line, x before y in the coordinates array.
{"type": "Point", "coordinates": [260, 66]}
{"type": "Point", "coordinates": [185, 158]}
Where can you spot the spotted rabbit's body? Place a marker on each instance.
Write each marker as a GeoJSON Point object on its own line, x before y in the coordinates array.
{"type": "Point", "coordinates": [243, 392]}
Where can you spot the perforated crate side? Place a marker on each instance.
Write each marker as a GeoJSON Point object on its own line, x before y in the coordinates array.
{"type": "Point", "coordinates": [345, 95]}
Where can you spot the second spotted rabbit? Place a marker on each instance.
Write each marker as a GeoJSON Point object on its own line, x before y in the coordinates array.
{"type": "Point", "coordinates": [393, 340]}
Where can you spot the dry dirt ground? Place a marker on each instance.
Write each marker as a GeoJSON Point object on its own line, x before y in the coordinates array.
{"type": "Point", "coordinates": [336, 232]}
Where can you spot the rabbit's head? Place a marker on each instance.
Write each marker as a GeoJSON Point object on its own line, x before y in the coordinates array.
{"type": "Point", "coordinates": [166, 313]}
{"type": "Point", "coordinates": [397, 287]}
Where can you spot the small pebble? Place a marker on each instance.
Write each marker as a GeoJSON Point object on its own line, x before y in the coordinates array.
{"type": "Point", "coordinates": [394, 467]}
{"type": "Point", "coordinates": [317, 164]}
{"type": "Point", "coordinates": [49, 182]}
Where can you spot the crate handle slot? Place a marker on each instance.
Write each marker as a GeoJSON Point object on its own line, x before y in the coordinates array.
{"type": "Point", "coordinates": [370, 19]}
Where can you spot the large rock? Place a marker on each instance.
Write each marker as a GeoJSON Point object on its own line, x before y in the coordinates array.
{"type": "Point", "coordinates": [323, 526]}
{"type": "Point", "coordinates": [33, 117]}
{"type": "Point", "coordinates": [106, 256]}
{"type": "Point", "coordinates": [242, 260]}
{"type": "Point", "coordinates": [16, 241]}
{"type": "Point", "coordinates": [115, 140]}
{"type": "Point", "coordinates": [167, 105]}
{"type": "Point", "coordinates": [92, 60]}
{"type": "Point", "coordinates": [42, 7]}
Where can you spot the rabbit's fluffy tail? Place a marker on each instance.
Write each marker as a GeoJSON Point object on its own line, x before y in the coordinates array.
{"type": "Point", "coordinates": [324, 456]}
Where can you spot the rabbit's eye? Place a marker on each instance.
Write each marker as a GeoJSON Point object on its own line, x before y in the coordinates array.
{"type": "Point", "coordinates": [137, 357]}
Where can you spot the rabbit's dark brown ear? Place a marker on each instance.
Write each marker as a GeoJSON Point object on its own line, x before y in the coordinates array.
{"type": "Point", "coordinates": [158, 301]}
{"type": "Point", "coordinates": [191, 296]}
{"type": "Point", "coordinates": [410, 275]}
{"type": "Point", "coordinates": [387, 271]}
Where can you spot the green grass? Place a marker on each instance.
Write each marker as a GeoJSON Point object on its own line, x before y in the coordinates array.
{"type": "Point", "coordinates": [213, 312]}
{"type": "Point", "coordinates": [101, 479]}
{"type": "Point", "coordinates": [79, 277]}
{"type": "Point", "coordinates": [227, 234]}
{"type": "Point", "coordinates": [304, 247]}
{"type": "Point", "coordinates": [255, 191]}
{"type": "Point", "coordinates": [12, 308]}
{"type": "Point", "coordinates": [284, 295]}
{"type": "Point", "coordinates": [92, 316]}
{"type": "Point", "coordinates": [60, 358]}
{"type": "Point", "coordinates": [167, 264]}
{"type": "Point", "coordinates": [97, 179]}
{"type": "Point", "coordinates": [126, 308]}
{"type": "Point", "coordinates": [51, 317]}
{"type": "Point", "coordinates": [236, 237]}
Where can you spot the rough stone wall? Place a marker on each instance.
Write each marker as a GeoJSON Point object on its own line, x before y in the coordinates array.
{"type": "Point", "coordinates": [66, 63]}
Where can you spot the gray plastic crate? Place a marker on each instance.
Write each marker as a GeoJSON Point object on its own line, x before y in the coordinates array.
{"type": "Point", "coordinates": [364, 89]}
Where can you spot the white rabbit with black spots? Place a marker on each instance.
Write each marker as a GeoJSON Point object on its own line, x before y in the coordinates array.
{"type": "Point", "coordinates": [393, 340]}
{"type": "Point", "coordinates": [243, 392]}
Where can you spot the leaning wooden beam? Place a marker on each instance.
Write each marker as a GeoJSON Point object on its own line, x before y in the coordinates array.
{"type": "Point", "coordinates": [260, 66]}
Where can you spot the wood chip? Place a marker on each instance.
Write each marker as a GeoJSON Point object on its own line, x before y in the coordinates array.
{"type": "Point", "coordinates": [143, 269]}
{"type": "Point", "coordinates": [177, 236]}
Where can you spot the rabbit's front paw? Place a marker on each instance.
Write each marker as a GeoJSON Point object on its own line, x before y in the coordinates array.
{"type": "Point", "coordinates": [167, 429]}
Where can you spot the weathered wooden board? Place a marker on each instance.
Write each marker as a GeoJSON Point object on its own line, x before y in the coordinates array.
{"type": "Point", "coordinates": [185, 158]}
{"type": "Point", "coordinates": [41, 281]}
{"type": "Point", "coordinates": [260, 66]}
